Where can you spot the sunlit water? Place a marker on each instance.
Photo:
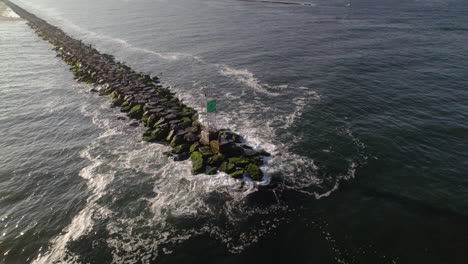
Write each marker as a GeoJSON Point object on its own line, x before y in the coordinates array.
{"type": "Point", "coordinates": [362, 103]}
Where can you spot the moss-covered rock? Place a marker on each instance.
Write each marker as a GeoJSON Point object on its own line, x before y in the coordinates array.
{"type": "Point", "coordinates": [125, 109]}
{"type": "Point", "coordinates": [170, 135]}
{"type": "Point", "coordinates": [194, 147]}
{"type": "Point", "coordinates": [186, 119]}
{"type": "Point", "coordinates": [144, 118]}
{"type": "Point", "coordinates": [237, 174]}
{"type": "Point", "coordinates": [254, 172]}
{"type": "Point", "coordinates": [212, 171]}
{"type": "Point", "coordinates": [227, 167]}
{"type": "Point", "coordinates": [180, 148]}
{"type": "Point", "coordinates": [263, 152]}
{"type": "Point", "coordinates": [116, 102]}
{"type": "Point", "coordinates": [198, 164]}
{"type": "Point", "coordinates": [216, 160]}
{"type": "Point", "coordinates": [206, 151]}
{"type": "Point", "coordinates": [136, 112]}
{"type": "Point", "coordinates": [256, 160]}
{"type": "Point", "coordinates": [240, 161]}
{"type": "Point", "coordinates": [159, 122]}
{"type": "Point", "coordinates": [177, 140]}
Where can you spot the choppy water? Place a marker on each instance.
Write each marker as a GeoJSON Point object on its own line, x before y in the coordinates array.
{"type": "Point", "coordinates": [363, 104]}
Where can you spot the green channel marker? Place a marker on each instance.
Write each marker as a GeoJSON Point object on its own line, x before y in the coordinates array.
{"type": "Point", "coordinates": [211, 106]}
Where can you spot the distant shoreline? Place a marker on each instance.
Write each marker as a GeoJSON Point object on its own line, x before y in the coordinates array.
{"type": "Point", "coordinates": [279, 2]}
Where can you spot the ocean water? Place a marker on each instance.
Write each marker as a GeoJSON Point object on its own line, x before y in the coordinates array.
{"type": "Point", "coordinates": [363, 105]}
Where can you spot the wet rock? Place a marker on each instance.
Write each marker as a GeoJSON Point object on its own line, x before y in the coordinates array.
{"type": "Point", "coordinates": [198, 164]}
{"type": "Point", "coordinates": [237, 174]}
{"type": "Point", "coordinates": [206, 151]}
{"type": "Point", "coordinates": [240, 161]}
{"type": "Point", "coordinates": [227, 167]}
{"type": "Point", "coordinates": [264, 153]}
{"type": "Point", "coordinates": [232, 150]}
{"type": "Point", "coordinates": [215, 160]}
{"type": "Point", "coordinates": [177, 140]}
{"type": "Point", "coordinates": [194, 147]}
{"type": "Point", "coordinates": [189, 137]}
{"type": "Point", "coordinates": [254, 172]}
{"type": "Point", "coordinates": [181, 148]}
{"type": "Point", "coordinates": [182, 156]}
{"type": "Point", "coordinates": [212, 171]}
{"type": "Point", "coordinates": [136, 112]}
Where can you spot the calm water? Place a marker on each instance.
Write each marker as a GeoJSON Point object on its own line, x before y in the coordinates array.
{"type": "Point", "coordinates": [364, 105]}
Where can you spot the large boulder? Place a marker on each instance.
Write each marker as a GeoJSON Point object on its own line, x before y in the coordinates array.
{"type": "Point", "coordinates": [254, 172]}
{"type": "Point", "coordinates": [216, 160]}
{"type": "Point", "coordinates": [238, 174]}
{"type": "Point", "coordinates": [136, 112]}
{"type": "Point", "coordinates": [227, 167]}
{"type": "Point", "coordinates": [198, 164]}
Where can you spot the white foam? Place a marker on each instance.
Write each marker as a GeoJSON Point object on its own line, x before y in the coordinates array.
{"type": "Point", "coordinates": [246, 77]}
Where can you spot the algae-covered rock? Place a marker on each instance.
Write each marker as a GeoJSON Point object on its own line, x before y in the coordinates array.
{"type": "Point", "coordinates": [215, 160]}
{"type": "Point", "coordinates": [206, 151]}
{"type": "Point", "coordinates": [136, 112]}
{"type": "Point", "coordinates": [198, 165]}
{"type": "Point", "coordinates": [186, 119]}
{"type": "Point", "coordinates": [240, 161]}
{"type": "Point", "coordinates": [212, 171]}
{"type": "Point", "coordinates": [125, 109]}
{"type": "Point", "coordinates": [256, 160]}
{"type": "Point", "coordinates": [155, 135]}
{"type": "Point", "coordinates": [254, 172]}
{"type": "Point", "coordinates": [194, 147]}
{"type": "Point", "coordinates": [116, 102]}
{"type": "Point", "coordinates": [170, 135]}
{"type": "Point", "coordinates": [144, 119]}
{"type": "Point", "coordinates": [159, 122]}
{"type": "Point", "coordinates": [177, 140]}
{"type": "Point", "coordinates": [151, 121]}
{"type": "Point", "coordinates": [180, 148]}
{"type": "Point", "coordinates": [237, 174]}
{"type": "Point", "coordinates": [227, 167]}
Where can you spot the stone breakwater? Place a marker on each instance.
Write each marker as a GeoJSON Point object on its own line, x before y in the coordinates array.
{"type": "Point", "coordinates": [143, 98]}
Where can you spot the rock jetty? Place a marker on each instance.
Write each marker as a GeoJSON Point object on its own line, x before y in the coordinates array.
{"type": "Point", "coordinates": [142, 97]}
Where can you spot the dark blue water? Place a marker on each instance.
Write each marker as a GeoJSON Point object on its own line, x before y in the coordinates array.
{"type": "Point", "coordinates": [362, 103]}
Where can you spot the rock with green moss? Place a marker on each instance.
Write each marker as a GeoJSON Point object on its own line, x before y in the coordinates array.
{"type": "Point", "coordinates": [125, 109]}
{"type": "Point", "coordinates": [238, 174]}
{"type": "Point", "coordinates": [177, 140]}
{"type": "Point", "coordinates": [186, 119]}
{"type": "Point", "coordinates": [216, 160]}
{"type": "Point", "coordinates": [144, 118]}
{"type": "Point", "coordinates": [116, 102]}
{"type": "Point", "coordinates": [240, 161]}
{"type": "Point", "coordinates": [256, 160]}
{"type": "Point", "coordinates": [136, 112]}
{"type": "Point", "coordinates": [151, 120]}
{"type": "Point", "coordinates": [198, 164]}
{"type": "Point", "coordinates": [206, 151]}
{"type": "Point", "coordinates": [155, 135]}
{"type": "Point", "coordinates": [254, 172]}
{"type": "Point", "coordinates": [212, 171]}
{"type": "Point", "coordinates": [159, 122]}
{"type": "Point", "coordinates": [170, 135]}
{"type": "Point", "coordinates": [194, 147]}
{"type": "Point", "coordinates": [180, 149]}
{"type": "Point", "coordinates": [227, 167]}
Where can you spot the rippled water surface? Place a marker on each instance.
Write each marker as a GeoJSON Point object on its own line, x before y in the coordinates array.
{"type": "Point", "coordinates": [363, 105]}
